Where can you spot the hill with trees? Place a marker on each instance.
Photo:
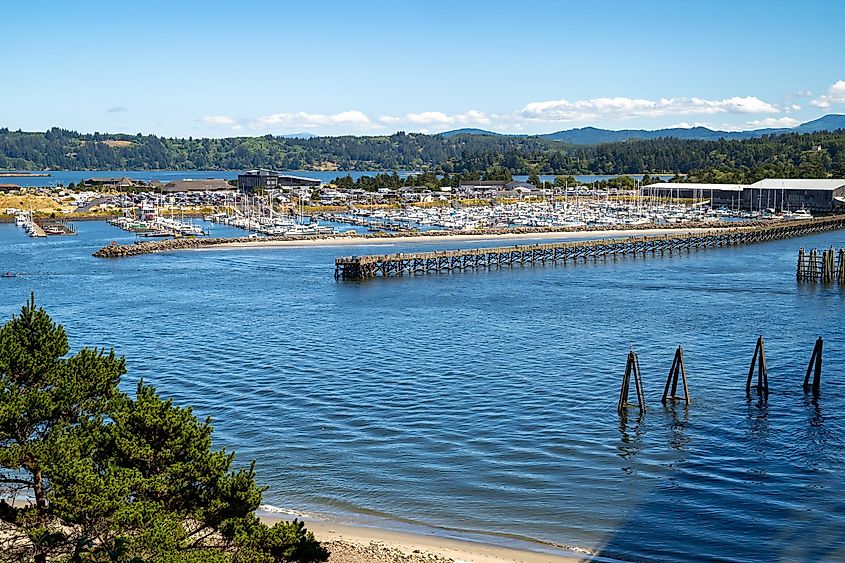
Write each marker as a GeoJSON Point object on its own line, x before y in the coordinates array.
{"type": "Point", "coordinates": [811, 155]}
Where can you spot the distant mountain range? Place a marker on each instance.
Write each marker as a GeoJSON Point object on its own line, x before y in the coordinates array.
{"type": "Point", "coordinates": [299, 136]}
{"type": "Point", "coordinates": [594, 136]}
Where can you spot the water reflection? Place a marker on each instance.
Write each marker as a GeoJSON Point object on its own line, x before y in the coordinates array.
{"type": "Point", "coordinates": [678, 418]}
{"type": "Point", "coordinates": [630, 439]}
{"type": "Point", "coordinates": [757, 416]}
{"type": "Point", "coordinates": [815, 437]}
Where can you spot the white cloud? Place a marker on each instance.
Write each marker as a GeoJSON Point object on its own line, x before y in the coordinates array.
{"type": "Point", "coordinates": [534, 116]}
{"type": "Point", "coordinates": [775, 122]}
{"type": "Point", "coordinates": [803, 94]}
{"type": "Point", "coordinates": [471, 117]}
{"type": "Point", "coordinates": [711, 126]}
{"type": "Point", "coordinates": [835, 95]}
{"type": "Point", "coordinates": [302, 119]}
{"type": "Point", "coordinates": [219, 120]}
{"type": "Point", "coordinates": [582, 110]}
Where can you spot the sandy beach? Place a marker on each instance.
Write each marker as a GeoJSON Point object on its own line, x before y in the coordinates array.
{"type": "Point", "coordinates": [366, 241]}
{"type": "Point", "coordinates": [361, 544]}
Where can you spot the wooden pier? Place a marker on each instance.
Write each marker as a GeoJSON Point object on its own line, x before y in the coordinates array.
{"type": "Point", "coordinates": [827, 266]}
{"type": "Point", "coordinates": [448, 261]}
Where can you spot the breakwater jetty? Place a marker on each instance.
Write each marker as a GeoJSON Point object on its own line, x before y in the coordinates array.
{"type": "Point", "coordinates": [827, 266]}
{"type": "Point", "coordinates": [363, 267]}
{"type": "Point", "coordinates": [188, 243]}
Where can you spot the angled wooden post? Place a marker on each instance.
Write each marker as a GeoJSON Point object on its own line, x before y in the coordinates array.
{"type": "Point", "coordinates": [632, 367]}
{"type": "Point", "coordinates": [840, 266]}
{"type": "Point", "coordinates": [758, 362]}
{"type": "Point", "coordinates": [815, 367]}
{"type": "Point", "coordinates": [802, 266]}
{"type": "Point", "coordinates": [678, 370]}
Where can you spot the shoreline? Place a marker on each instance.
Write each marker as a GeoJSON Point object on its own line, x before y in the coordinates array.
{"type": "Point", "coordinates": [522, 233]}
{"type": "Point", "coordinates": [354, 542]}
{"type": "Point", "coordinates": [456, 237]}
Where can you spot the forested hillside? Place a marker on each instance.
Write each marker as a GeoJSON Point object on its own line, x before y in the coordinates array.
{"type": "Point", "coordinates": [785, 155]}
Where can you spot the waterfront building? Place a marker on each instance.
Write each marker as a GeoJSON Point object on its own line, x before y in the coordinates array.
{"type": "Point", "coordinates": [411, 194]}
{"type": "Point", "coordinates": [110, 183]}
{"type": "Point", "coordinates": [825, 195]}
{"type": "Point", "coordinates": [481, 187]}
{"type": "Point", "coordinates": [265, 179]}
{"type": "Point", "coordinates": [520, 186]}
{"type": "Point", "coordinates": [813, 195]}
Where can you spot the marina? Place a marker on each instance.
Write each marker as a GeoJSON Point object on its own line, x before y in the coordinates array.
{"type": "Point", "coordinates": [146, 221]}
{"type": "Point", "coordinates": [42, 228]}
{"type": "Point", "coordinates": [587, 210]}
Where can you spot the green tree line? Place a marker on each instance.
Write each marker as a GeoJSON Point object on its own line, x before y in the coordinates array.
{"type": "Point", "coordinates": [789, 155]}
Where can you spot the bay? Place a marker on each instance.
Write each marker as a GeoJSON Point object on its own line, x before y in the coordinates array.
{"type": "Point", "coordinates": [484, 403]}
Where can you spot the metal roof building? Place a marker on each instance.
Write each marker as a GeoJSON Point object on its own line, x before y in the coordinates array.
{"type": "Point", "coordinates": [822, 195]}
{"type": "Point", "coordinates": [197, 185]}
{"type": "Point", "coordinates": [271, 180]}
{"type": "Point", "coordinates": [782, 193]}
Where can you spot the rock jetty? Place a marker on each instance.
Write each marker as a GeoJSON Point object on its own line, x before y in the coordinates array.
{"type": "Point", "coordinates": [190, 243]}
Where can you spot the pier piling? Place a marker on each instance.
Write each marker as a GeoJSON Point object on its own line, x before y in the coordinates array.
{"type": "Point", "coordinates": [677, 370]}
{"type": "Point", "coordinates": [632, 367]}
{"type": "Point", "coordinates": [815, 367]}
{"type": "Point", "coordinates": [802, 265]}
{"type": "Point", "coordinates": [827, 266]}
{"type": "Point", "coordinates": [758, 362]}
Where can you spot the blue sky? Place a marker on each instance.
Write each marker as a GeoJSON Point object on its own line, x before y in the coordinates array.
{"type": "Point", "coordinates": [190, 68]}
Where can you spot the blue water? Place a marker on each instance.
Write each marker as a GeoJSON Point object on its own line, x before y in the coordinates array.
{"type": "Point", "coordinates": [65, 177]}
{"type": "Point", "coordinates": [485, 402]}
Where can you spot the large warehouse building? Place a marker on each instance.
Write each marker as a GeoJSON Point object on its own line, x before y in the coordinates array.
{"type": "Point", "coordinates": [780, 194]}
{"type": "Point", "coordinates": [812, 195]}
{"type": "Point", "coordinates": [271, 180]}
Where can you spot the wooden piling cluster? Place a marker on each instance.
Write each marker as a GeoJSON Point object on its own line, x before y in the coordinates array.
{"type": "Point", "coordinates": [827, 266]}
{"type": "Point", "coordinates": [363, 267]}
{"type": "Point", "coordinates": [678, 372]}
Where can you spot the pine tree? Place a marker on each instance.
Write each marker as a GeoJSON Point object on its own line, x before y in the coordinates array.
{"type": "Point", "coordinates": [116, 478]}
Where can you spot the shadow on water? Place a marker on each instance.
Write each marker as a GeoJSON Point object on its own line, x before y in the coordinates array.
{"type": "Point", "coordinates": [690, 514]}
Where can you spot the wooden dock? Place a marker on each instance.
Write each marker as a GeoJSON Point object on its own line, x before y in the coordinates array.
{"type": "Point", "coordinates": [448, 261]}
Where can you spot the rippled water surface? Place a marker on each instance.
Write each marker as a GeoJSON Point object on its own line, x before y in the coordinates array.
{"type": "Point", "coordinates": [485, 402]}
